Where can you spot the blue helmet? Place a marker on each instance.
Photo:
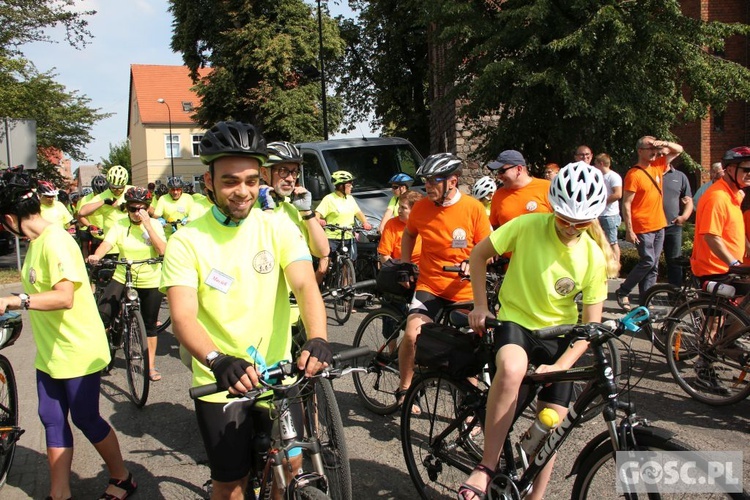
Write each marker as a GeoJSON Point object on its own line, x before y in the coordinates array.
{"type": "Point", "coordinates": [402, 178]}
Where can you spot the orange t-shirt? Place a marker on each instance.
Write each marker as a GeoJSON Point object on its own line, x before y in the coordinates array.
{"type": "Point", "coordinates": [390, 241]}
{"type": "Point", "coordinates": [448, 235]}
{"type": "Point", "coordinates": [509, 203]}
{"type": "Point", "coordinates": [746, 218]}
{"type": "Point", "coordinates": [647, 210]}
{"type": "Point", "coordinates": [720, 215]}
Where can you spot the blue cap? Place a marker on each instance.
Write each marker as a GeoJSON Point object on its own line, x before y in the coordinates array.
{"type": "Point", "coordinates": [507, 157]}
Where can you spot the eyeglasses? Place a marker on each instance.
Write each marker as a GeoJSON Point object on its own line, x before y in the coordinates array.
{"type": "Point", "coordinates": [396, 186]}
{"type": "Point", "coordinates": [501, 171]}
{"type": "Point", "coordinates": [285, 172]}
{"type": "Point", "coordinates": [434, 180]}
{"type": "Point", "coordinates": [575, 225]}
{"type": "Point", "coordinates": [132, 209]}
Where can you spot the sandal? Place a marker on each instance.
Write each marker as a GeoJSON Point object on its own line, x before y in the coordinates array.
{"type": "Point", "coordinates": [154, 375]}
{"type": "Point", "coordinates": [127, 485]}
{"type": "Point", "coordinates": [467, 488]}
{"type": "Point", "coordinates": [416, 410]}
{"type": "Point", "coordinates": [623, 301]}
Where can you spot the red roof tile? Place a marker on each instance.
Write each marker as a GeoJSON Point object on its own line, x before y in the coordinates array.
{"type": "Point", "coordinates": [171, 83]}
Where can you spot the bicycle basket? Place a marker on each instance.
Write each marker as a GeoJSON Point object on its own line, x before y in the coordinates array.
{"type": "Point", "coordinates": [10, 328]}
{"type": "Point", "coordinates": [451, 351]}
{"type": "Point", "coordinates": [389, 277]}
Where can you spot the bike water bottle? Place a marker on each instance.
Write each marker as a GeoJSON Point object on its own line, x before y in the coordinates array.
{"type": "Point", "coordinates": [719, 289]}
{"type": "Point", "coordinates": [543, 424]}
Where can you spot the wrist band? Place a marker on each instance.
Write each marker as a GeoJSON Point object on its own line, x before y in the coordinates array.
{"type": "Point", "coordinates": [308, 216]}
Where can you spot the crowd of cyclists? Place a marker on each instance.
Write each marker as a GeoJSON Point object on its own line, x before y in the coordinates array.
{"type": "Point", "coordinates": [232, 257]}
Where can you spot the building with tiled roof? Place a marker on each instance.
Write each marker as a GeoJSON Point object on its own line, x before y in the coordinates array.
{"type": "Point", "coordinates": [150, 121]}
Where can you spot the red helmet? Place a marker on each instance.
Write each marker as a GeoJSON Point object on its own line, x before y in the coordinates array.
{"type": "Point", "coordinates": [138, 195]}
{"type": "Point", "coordinates": [736, 155]}
{"type": "Point", "coordinates": [46, 188]}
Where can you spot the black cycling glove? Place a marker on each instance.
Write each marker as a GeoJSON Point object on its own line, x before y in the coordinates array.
{"type": "Point", "coordinates": [109, 201]}
{"type": "Point", "coordinates": [319, 348]}
{"type": "Point", "coordinates": [228, 370]}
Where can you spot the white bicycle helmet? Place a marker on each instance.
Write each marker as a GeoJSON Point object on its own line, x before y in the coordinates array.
{"type": "Point", "coordinates": [483, 188]}
{"type": "Point", "coordinates": [578, 192]}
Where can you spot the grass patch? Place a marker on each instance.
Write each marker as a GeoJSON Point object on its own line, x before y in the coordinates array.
{"type": "Point", "coordinates": [8, 276]}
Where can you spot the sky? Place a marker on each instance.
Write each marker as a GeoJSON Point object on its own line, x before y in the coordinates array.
{"type": "Point", "coordinates": [124, 32]}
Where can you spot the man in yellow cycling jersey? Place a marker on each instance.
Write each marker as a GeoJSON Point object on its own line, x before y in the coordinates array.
{"type": "Point", "coordinates": [175, 208]}
{"type": "Point", "coordinates": [110, 204]}
{"type": "Point", "coordinates": [226, 276]}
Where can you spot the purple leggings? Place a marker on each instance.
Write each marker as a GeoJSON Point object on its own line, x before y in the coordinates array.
{"type": "Point", "coordinates": [80, 397]}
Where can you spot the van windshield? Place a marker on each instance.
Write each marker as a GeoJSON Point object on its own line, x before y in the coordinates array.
{"type": "Point", "coordinates": [373, 166]}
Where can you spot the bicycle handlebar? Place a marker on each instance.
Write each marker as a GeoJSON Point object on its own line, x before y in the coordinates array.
{"type": "Point", "coordinates": [348, 290]}
{"type": "Point", "coordinates": [129, 262]}
{"type": "Point", "coordinates": [284, 370]}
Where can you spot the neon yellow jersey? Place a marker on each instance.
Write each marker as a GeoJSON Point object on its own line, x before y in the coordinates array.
{"type": "Point", "coordinates": [173, 210]}
{"type": "Point", "coordinates": [70, 342]}
{"type": "Point", "coordinates": [57, 214]}
{"type": "Point", "coordinates": [201, 205]}
{"type": "Point", "coordinates": [110, 214]}
{"type": "Point", "coordinates": [237, 272]}
{"type": "Point", "coordinates": [393, 205]}
{"type": "Point", "coordinates": [338, 210]}
{"type": "Point", "coordinates": [544, 275]}
{"type": "Point", "coordinates": [95, 219]}
{"type": "Point", "coordinates": [487, 204]}
{"type": "Point", "coordinates": [132, 241]}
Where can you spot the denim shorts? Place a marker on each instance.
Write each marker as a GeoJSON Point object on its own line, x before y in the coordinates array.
{"type": "Point", "coordinates": [609, 224]}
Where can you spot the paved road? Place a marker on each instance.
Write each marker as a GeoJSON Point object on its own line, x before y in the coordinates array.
{"type": "Point", "coordinates": [163, 449]}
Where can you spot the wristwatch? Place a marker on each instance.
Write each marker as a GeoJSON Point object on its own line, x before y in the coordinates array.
{"type": "Point", "coordinates": [211, 357]}
{"type": "Point", "coordinates": [25, 300]}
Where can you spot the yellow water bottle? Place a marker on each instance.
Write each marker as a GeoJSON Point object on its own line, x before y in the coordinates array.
{"type": "Point", "coordinates": [532, 439]}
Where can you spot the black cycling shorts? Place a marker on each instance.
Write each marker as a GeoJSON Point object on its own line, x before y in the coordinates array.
{"type": "Point", "coordinates": [428, 304]}
{"type": "Point", "coordinates": [228, 436]}
{"type": "Point", "coordinates": [540, 352]}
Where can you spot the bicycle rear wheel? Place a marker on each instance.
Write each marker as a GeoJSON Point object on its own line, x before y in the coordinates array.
{"type": "Point", "coordinates": [136, 358]}
{"type": "Point", "coordinates": [445, 441]}
{"type": "Point", "coordinates": [708, 351]}
{"type": "Point", "coordinates": [342, 306]}
{"type": "Point", "coordinates": [323, 410]}
{"type": "Point", "coordinates": [660, 300]}
{"type": "Point", "coordinates": [597, 472]}
{"type": "Point", "coordinates": [9, 431]}
{"type": "Point", "coordinates": [381, 331]}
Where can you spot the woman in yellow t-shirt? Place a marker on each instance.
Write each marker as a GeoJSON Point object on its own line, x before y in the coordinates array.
{"type": "Point", "coordinates": [71, 345]}
{"type": "Point", "coordinates": [555, 256]}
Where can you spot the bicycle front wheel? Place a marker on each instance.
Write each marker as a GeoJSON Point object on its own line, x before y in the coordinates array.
{"type": "Point", "coordinates": [164, 308]}
{"type": "Point", "coordinates": [708, 351]}
{"type": "Point", "coordinates": [310, 493]}
{"type": "Point", "coordinates": [597, 471]}
{"type": "Point", "coordinates": [136, 358]}
{"type": "Point", "coordinates": [342, 306]}
{"type": "Point", "coordinates": [323, 410]}
{"type": "Point", "coordinates": [586, 359]}
{"type": "Point", "coordinates": [381, 331]}
{"type": "Point", "coordinates": [9, 431]}
{"type": "Point", "coordinates": [660, 300]}
{"type": "Point", "coordinates": [444, 442]}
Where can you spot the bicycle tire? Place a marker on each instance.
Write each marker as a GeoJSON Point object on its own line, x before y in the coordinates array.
{"type": "Point", "coordinates": [329, 429]}
{"type": "Point", "coordinates": [167, 322]}
{"type": "Point", "coordinates": [660, 300]}
{"type": "Point", "coordinates": [712, 375]}
{"type": "Point", "coordinates": [112, 351]}
{"type": "Point", "coordinates": [441, 401]}
{"type": "Point", "coordinates": [586, 359]}
{"type": "Point", "coordinates": [136, 358]}
{"type": "Point", "coordinates": [381, 330]}
{"type": "Point", "coordinates": [342, 306]}
{"type": "Point", "coordinates": [310, 493]}
{"type": "Point", "coordinates": [597, 472]}
{"type": "Point", "coordinates": [8, 414]}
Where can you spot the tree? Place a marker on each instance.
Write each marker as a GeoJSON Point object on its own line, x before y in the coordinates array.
{"type": "Point", "coordinates": [263, 56]}
{"type": "Point", "coordinates": [385, 70]}
{"type": "Point", "coordinates": [119, 154]}
{"type": "Point", "coordinates": [560, 73]}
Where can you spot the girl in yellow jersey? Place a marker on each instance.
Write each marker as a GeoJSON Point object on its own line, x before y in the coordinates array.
{"type": "Point", "coordinates": [71, 345]}
{"type": "Point", "coordinates": [555, 256]}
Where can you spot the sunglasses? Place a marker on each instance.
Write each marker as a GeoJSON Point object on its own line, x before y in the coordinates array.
{"type": "Point", "coordinates": [133, 209]}
{"type": "Point", "coordinates": [434, 180]}
{"type": "Point", "coordinates": [575, 225]}
{"type": "Point", "coordinates": [744, 170]}
{"type": "Point", "coordinates": [501, 171]}
{"type": "Point", "coordinates": [396, 186]}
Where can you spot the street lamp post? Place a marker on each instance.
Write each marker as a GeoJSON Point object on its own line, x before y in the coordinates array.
{"type": "Point", "coordinates": [171, 150]}
{"type": "Point", "coordinates": [322, 73]}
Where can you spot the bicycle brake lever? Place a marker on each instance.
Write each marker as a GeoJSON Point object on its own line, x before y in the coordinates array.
{"type": "Point", "coordinates": [352, 369]}
{"type": "Point", "coordinates": [240, 399]}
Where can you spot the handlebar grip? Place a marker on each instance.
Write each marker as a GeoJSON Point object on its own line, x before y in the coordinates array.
{"type": "Point", "coordinates": [356, 352]}
{"type": "Point", "coordinates": [203, 390]}
{"type": "Point", "coordinates": [452, 269]}
{"type": "Point", "coordinates": [364, 284]}
{"type": "Point", "coordinates": [553, 331]}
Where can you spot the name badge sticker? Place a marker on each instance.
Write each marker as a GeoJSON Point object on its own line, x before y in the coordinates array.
{"type": "Point", "coordinates": [218, 280]}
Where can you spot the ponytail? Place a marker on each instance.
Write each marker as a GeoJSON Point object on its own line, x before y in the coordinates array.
{"type": "Point", "coordinates": [596, 232]}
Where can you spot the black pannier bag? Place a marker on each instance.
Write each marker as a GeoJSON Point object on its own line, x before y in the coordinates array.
{"type": "Point", "coordinates": [447, 349]}
{"type": "Point", "coordinates": [389, 277]}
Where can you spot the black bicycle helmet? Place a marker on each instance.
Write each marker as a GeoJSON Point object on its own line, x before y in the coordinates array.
{"type": "Point", "coordinates": [15, 186]}
{"type": "Point", "coordinates": [138, 195]}
{"type": "Point", "coordinates": [161, 189]}
{"type": "Point", "coordinates": [736, 155]}
{"type": "Point", "coordinates": [439, 164]}
{"type": "Point", "coordinates": [63, 197]}
{"type": "Point", "coordinates": [283, 152]}
{"type": "Point", "coordinates": [99, 184]}
{"type": "Point", "coordinates": [174, 183]}
{"type": "Point", "coordinates": [232, 139]}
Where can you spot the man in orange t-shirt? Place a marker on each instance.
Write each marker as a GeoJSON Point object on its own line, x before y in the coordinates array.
{"type": "Point", "coordinates": [450, 224]}
{"type": "Point", "coordinates": [390, 239]}
{"type": "Point", "coordinates": [520, 193]}
{"type": "Point", "coordinates": [643, 212]}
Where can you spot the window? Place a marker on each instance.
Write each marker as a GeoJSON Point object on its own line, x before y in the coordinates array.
{"type": "Point", "coordinates": [187, 106]}
{"type": "Point", "coordinates": [197, 138]}
{"type": "Point", "coordinates": [312, 176]}
{"type": "Point", "coordinates": [172, 146]}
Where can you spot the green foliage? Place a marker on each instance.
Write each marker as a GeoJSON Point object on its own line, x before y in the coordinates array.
{"type": "Point", "coordinates": [119, 154]}
{"type": "Point", "coordinates": [264, 56]}
{"type": "Point", "coordinates": [385, 71]}
{"type": "Point", "coordinates": [562, 73]}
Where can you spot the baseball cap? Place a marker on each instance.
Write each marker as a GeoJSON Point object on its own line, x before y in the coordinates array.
{"type": "Point", "coordinates": [507, 157]}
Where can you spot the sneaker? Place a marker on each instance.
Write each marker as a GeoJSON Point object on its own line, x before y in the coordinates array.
{"type": "Point", "coordinates": [706, 379]}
